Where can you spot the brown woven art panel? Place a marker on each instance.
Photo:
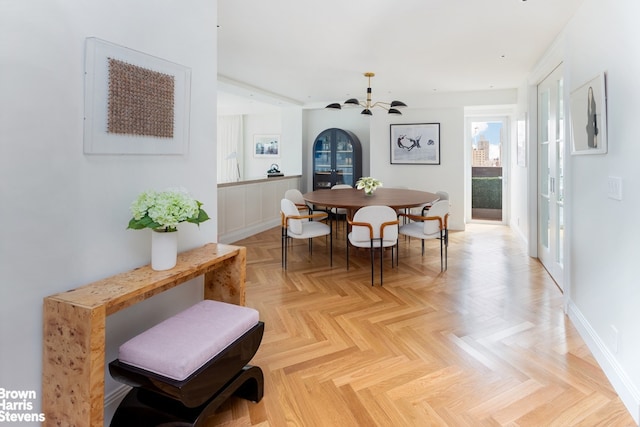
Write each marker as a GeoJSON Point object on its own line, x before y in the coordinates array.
{"type": "Point", "coordinates": [141, 101]}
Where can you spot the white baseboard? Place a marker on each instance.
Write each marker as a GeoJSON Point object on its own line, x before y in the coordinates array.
{"type": "Point", "coordinates": [234, 236]}
{"type": "Point", "coordinates": [519, 233]}
{"type": "Point", "coordinates": [619, 379]}
{"type": "Point", "coordinates": [112, 400]}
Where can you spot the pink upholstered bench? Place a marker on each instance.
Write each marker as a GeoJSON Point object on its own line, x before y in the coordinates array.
{"type": "Point", "coordinates": [183, 368]}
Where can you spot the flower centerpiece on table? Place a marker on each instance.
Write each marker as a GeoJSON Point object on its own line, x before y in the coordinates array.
{"type": "Point", "coordinates": [164, 210]}
{"type": "Point", "coordinates": [369, 184]}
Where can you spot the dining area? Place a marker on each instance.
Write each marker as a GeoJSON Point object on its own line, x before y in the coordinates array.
{"type": "Point", "coordinates": [365, 223]}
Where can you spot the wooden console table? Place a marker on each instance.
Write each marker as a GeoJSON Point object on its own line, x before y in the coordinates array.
{"type": "Point", "coordinates": [74, 326]}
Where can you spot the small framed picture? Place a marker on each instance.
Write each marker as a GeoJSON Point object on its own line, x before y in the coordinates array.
{"type": "Point", "coordinates": [266, 146]}
{"type": "Point", "coordinates": [415, 144]}
{"type": "Point", "coordinates": [589, 117]}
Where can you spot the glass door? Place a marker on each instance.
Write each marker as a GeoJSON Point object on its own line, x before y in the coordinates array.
{"type": "Point", "coordinates": [487, 144]}
{"type": "Point", "coordinates": [344, 160]}
{"type": "Point", "coordinates": [551, 174]}
{"type": "Point", "coordinates": [323, 162]}
{"type": "Point", "coordinates": [337, 159]}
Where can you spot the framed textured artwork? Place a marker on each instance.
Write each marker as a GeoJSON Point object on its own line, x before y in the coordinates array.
{"type": "Point", "coordinates": [134, 103]}
{"type": "Point", "coordinates": [589, 117]}
{"type": "Point", "coordinates": [417, 143]}
{"type": "Point", "coordinates": [266, 146]}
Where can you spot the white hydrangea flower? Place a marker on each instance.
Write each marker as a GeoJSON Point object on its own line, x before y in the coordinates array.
{"type": "Point", "coordinates": [165, 210]}
{"type": "Point", "coordinates": [368, 184]}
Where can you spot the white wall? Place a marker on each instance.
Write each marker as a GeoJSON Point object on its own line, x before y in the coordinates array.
{"type": "Point", "coordinates": [604, 233]}
{"type": "Point", "coordinates": [64, 214]}
{"type": "Point", "coordinates": [448, 176]}
{"type": "Point", "coordinates": [288, 124]}
{"type": "Point", "coordinates": [259, 124]}
{"type": "Point", "coordinates": [519, 175]}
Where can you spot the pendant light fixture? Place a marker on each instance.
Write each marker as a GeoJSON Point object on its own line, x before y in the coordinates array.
{"type": "Point", "coordinates": [391, 107]}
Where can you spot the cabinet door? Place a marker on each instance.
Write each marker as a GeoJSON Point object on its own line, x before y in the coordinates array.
{"type": "Point", "coordinates": [337, 158]}
{"type": "Point", "coordinates": [344, 159]}
{"type": "Point", "coordinates": [323, 161]}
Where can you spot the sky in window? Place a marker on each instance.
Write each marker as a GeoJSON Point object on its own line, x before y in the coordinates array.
{"type": "Point", "coordinates": [489, 131]}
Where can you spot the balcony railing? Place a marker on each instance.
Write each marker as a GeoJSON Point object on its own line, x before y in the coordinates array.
{"type": "Point", "coordinates": [486, 193]}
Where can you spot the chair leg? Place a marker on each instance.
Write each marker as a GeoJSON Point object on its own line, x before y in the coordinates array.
{"type": "Point", "coordinates": [446, 249]}
{"type": "Point", "coordinates": [393, 258]}
{"type": "Point", "coordinates": [441, 253]}
{"type": "Point", "coordinates": [372, 261]}
{"type": "Point", "coordinates": [284, 249]}
{"type": "Point", "coordinates": [330, 247]}
{"type": "Point", "coordinates": [347, 252]}
{"type": "Point", "coordinates": [382, 261]}
{"type": "Point", "coordinates": [396, 248]}
{"type": "Point", "coordinates": [397, 245]}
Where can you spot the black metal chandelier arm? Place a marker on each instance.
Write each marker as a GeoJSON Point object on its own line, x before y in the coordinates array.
{"type": "Point", "coordinates": [391, 107]}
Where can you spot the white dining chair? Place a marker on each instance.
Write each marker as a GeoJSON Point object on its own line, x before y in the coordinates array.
{"type": "Point", "coordinates": [339, 211]}
{"type": "Point", "coordinates": [296, 226]}
{"type": "Point", "coordinates": [297, 198]}
{"type": "Point", "coordinates": [434, 225]}
{"type": "Point", "coordinates": [442, 195]}
{"type": "Point", "coordinates": [374, 227]}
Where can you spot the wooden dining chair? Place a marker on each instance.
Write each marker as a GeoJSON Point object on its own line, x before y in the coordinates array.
{"type": "Point", "coordinates": [374, 227]}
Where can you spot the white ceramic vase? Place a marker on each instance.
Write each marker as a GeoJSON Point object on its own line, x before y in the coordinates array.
{"type": "Point", "coordinates": [164, 249]}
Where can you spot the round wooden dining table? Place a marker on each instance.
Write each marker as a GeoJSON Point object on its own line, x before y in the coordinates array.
{"type": "Point", "coordinates": [353, 199]}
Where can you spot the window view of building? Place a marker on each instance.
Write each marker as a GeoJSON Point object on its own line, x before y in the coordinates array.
{"type": "Point", "coordinates": [486, 170]}
{"type": "Point", "coordinates": [487, 144]}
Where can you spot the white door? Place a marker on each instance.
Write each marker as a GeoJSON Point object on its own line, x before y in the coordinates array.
{"type": "Point", "coordinates": [550, 174]}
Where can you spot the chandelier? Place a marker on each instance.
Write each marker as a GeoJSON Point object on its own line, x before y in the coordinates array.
{"type": "Point", "coordinates": [389, 106]}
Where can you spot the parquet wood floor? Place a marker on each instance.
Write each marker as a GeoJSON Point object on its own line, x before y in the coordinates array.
{"type": "Point", "coordinates": [484, 344]}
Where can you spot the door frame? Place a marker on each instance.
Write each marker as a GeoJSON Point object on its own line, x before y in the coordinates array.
{"type": "Point", "coordinates": [550, 62]}
{"type": "Point", "coordinates": [506, 115]}
{"type": "Point", "coordinates": [550, 258]}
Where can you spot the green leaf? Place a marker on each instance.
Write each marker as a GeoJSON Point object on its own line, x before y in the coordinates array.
{"type": "Point", "coordinates": [201, 217]}
{"type": "Point", "coordinates": [144, 222]}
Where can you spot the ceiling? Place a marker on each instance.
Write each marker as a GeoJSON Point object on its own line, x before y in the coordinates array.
{"type": "Point", "coordinates": [312, 53]}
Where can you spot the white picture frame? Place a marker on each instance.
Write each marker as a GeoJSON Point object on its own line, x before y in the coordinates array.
{"type": "Point", "coordinates": [97, 137]}
{"type": "Point", "coordinates": [415, 144]}
{"type": "Point", "coordinates": [266, 146]}
{"type": "Point", "coordinates": [589, 117]}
